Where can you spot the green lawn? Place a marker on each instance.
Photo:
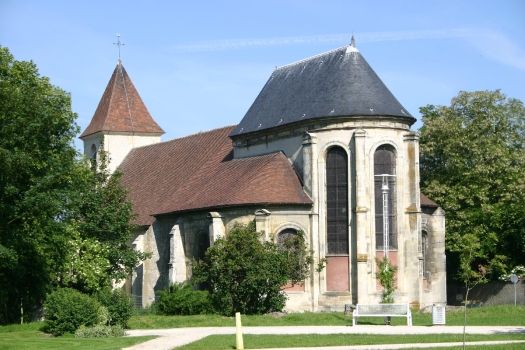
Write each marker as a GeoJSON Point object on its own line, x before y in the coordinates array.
{"type": "Point", "coordinates": [28, 336]}
{"type": "Point", "coordinates": [222, 342]}
{"type": "Point", "coordinates": [486, 347]}
{"type": "Point", "coordinates": [502, 315]}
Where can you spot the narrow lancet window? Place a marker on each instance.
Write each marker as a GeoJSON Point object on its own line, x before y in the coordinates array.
{"type": "Point", "coordinates": [385, 198]}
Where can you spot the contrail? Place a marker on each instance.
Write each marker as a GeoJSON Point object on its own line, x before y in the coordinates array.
{"type": "Point", "coordinates": [493, 44]}
{"type": "Point", "coordinates": [364, 37]}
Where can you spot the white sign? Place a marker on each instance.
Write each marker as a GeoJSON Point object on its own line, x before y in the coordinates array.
{"type": "Point", "coordinates": [438, 314]}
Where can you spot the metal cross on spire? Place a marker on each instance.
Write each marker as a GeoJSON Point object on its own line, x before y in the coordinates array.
{"type": "Point", "coordinates": [119, 44]}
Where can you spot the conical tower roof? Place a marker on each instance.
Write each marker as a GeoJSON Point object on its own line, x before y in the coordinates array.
{"type": "Point", "coordinates": [121, 109]}
{"type": "Point", "coordinates": [335, 84]}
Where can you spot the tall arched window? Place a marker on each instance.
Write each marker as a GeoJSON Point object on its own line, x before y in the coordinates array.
{"type": "Point", "coordinates": [385, 196]}
{"type": "Point", "coordinates": [424, 253]}
{"type": "Point", "coordinates": [337, 201]}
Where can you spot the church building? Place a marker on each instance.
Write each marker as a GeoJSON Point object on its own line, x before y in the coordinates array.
{"type": "Point", "coordinates": [325, 148]}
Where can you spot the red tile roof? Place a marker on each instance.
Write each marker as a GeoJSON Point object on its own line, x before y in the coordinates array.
{"type": "Point", "coordinates": [121, 109]}
{"type": "Point", "coordinates": [197, 172]}
{"type": "Point", "coordinates": [427, 202]}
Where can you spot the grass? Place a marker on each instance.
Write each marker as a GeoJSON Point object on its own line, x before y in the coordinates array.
{"type": "Point", "coordinates": [29, 336]}
{"type": "Point", "coordinates": [221, 342]}
{"type": "Point", "coordinates": [485, 347]}
{"type": "Point", "coordinates": [501, 315]}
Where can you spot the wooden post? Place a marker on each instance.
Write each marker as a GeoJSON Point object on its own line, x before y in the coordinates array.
{"type": "Point", "coordinates": [239, 343]}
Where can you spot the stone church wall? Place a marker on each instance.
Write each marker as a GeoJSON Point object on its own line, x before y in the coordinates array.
{"type": "Point", "coordinates": [194, 229]}
{"type": "Point", "coordinates": [176, 240]}
{"type": "Point", "coordinates": [116, 145]}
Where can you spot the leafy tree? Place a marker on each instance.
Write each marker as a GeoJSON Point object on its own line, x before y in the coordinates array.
{"type": "Point", "coordinates": [472, 164]}
{"type": "Point", "coordinates": [100, 221]}
{"type": "Point", "coordinates": [37, 159]}
{"type": "Point", "coordinates": [61, 224]}
{"type": "Point", "coordinates": [298, 258]}
{"type": "Point", "coordinates": [244, 274]}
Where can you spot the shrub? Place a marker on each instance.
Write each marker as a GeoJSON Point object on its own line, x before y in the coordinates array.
{"type": "Point", "coordinates": [182, 299]}
{"type": "Point", "coordinates": [244, 274]}
{"type": "Point", "coordinates": [386, 274]}
{"type": "Point", "coordinates": [67, 309]}
{"type": "Point", "coordinates": [99, 331]}
{"type": "Point", "coordinates": [119, 305]}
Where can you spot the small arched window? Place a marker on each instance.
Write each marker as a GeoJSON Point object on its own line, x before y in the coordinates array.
{"type": "Point", "coordinates": [337, 201]}
{"type": "Point", "coordinates": [292, 242]}
{"type": "Point", "coordinates": [93, 156]}
{"type": "Point", "coordinates": [285, 235]}
{"type": "Point", "coordinates": [385, 196]}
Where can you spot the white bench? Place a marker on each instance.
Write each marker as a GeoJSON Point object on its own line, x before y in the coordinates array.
{"type": "Point", "coordinates": [382, 310]}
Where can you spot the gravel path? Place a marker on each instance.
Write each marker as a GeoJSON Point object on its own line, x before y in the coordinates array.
{"type": "Point", "coordinates": [173, 337]}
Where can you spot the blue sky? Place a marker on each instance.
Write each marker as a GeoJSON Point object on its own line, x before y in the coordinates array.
{"type": "Point", "coordinates": [199, 65]}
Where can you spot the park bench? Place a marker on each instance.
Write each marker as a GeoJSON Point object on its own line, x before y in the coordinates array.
{"type": "Point", "coordinates": [382, 310]}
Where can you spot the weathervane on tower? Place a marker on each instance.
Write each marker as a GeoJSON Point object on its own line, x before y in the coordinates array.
{"type": "Point", "coordinates": [119, 44]}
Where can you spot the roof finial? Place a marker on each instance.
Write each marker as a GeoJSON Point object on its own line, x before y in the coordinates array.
{"type": "Point", "coordinates": [352, 41]}
{"type": "Point", "coordinates": [119, 44]}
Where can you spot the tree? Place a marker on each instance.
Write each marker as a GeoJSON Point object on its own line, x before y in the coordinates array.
{"type": "Point", "coordinates": [472, 164]}
{"type": "Point", "coordinates": [468, 246]}
{"type": "Point", "coordinates": [244, 274]}
{"type": "Point", "coordinates": [36, 163]}
{"type": "Point", "coordinates": [100, 222]}
{"type": "Point", "coordinates": [61, 224]}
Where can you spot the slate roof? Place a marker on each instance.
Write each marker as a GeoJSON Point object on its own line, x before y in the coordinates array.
{"type": "Point", "coordinates": [121, 109]}
{"type": "Point", "coordinates": [338, 83]}
{"type": "Point", "coordinates": [197, 172]}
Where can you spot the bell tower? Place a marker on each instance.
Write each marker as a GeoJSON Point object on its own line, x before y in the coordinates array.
{"type": "Point", "coordinates": [121, 121]}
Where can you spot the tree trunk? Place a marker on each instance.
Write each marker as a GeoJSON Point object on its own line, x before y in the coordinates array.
{"type": "Point", "coordinates": [21, 311]}
{"type": "Point", "coordinates": [465, 315]}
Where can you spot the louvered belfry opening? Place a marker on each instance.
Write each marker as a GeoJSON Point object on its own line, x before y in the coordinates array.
{"type": "Point", "coordinates": [337, 201]}
{"type": "Point", "coordinates": [385, 164]}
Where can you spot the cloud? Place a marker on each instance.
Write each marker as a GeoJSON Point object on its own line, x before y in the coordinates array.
{"type": "Point", "coordinates": [492, 44]}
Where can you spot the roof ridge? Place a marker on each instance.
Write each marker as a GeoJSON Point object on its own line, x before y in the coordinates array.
{"type": "Point", "coordinates": [111, 89]}
{"type": "Point", "coordinates": [263, 155]}
{"type": "Point", "coordinates": [121, 71]}
{"type": "Point", "coordinates": [111, 97]}
{"type": "Point", "coordinates": [185, 137]}
{"type": "Point", "coordinates": [202, 132]}
{"type": "Point", "coordinates": [311, 57]}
